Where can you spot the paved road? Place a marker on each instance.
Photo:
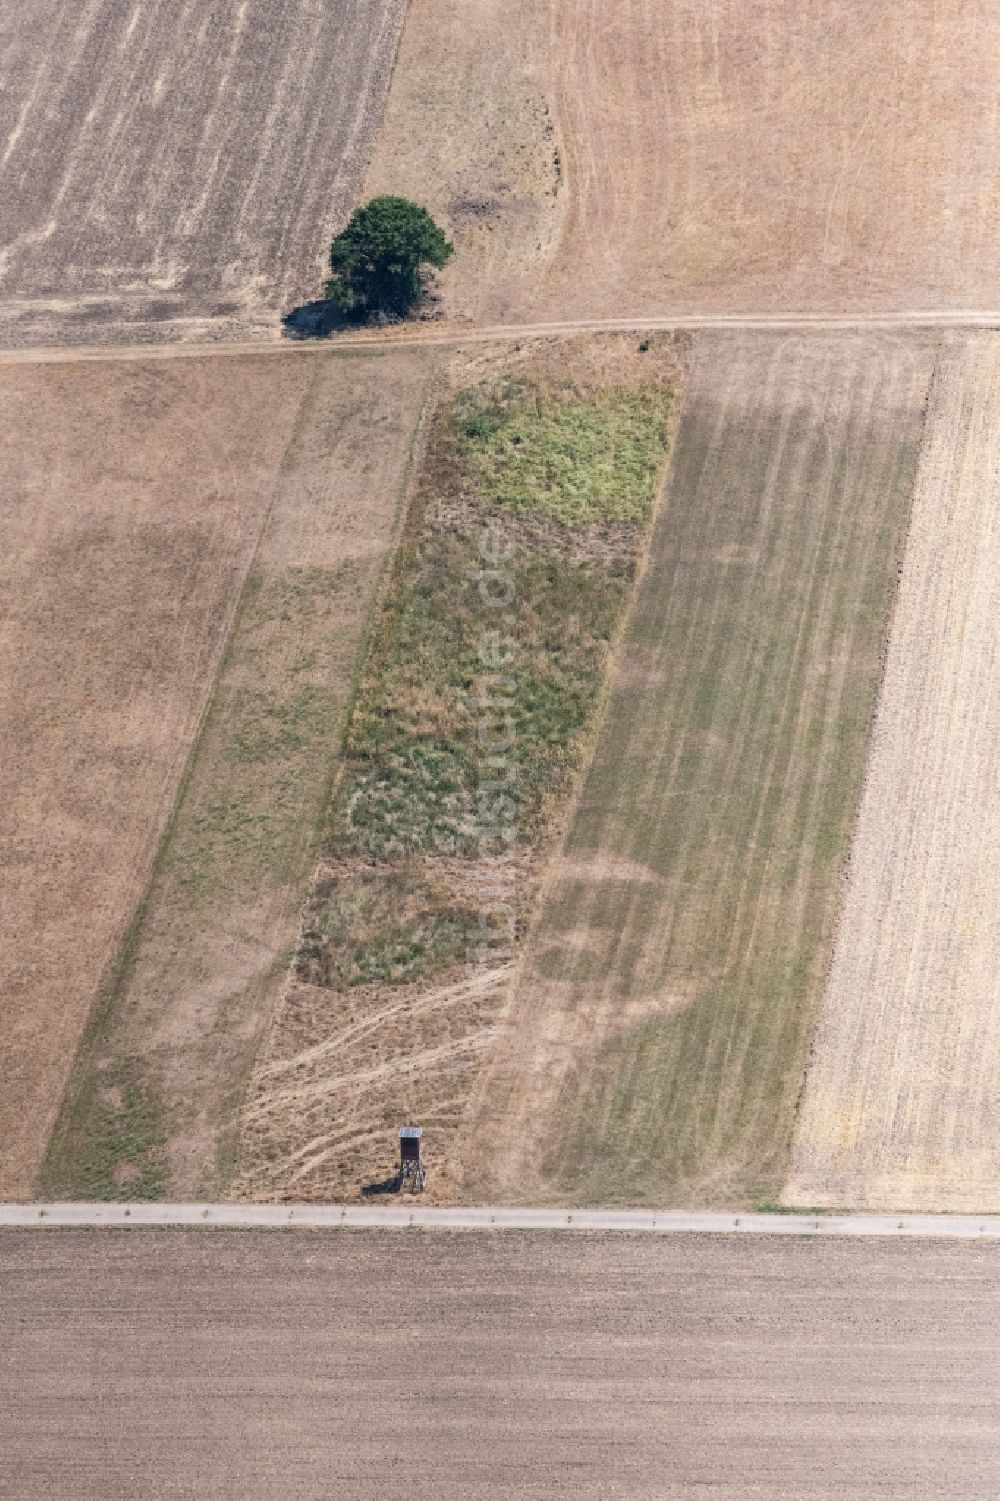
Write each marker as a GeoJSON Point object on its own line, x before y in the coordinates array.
{"type": "Point", "coordinates": [405, 1213]}
{"type": "Point", "coordinates": [470, 1366]}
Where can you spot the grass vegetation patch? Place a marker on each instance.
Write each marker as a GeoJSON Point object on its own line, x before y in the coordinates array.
{"type": "Point", "coordinates": [579, 460]}
{"type": "Point", "coordinates": [411, 783]}
{"type": "Point", "coordinates": [119, 1140]}
{"type": "Point", "coordinates": [385, 924]}
{"type": "Point", "coordinates": [268, 729]}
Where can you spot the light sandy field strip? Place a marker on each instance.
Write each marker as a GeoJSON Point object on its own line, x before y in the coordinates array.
{"type": "Point", "coordinates": [175, 169]}
{"type": "Point", "coordinates": [131, 500]}
{"type": "Point", "coordinates": [380, 1366]}
{"type": "Point", "coordinates": [155, 1093]}
{"type": "Point", "coordinates": [655, 1048]}
{"type": "Point", "coordinates": [902, 1099]}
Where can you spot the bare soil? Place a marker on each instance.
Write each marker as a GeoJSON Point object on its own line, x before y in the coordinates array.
{"type": "Point", "coordinates": [901, 1099]}
{"type": "Point", "coordinates": [635, 158]}
{"type": "Point", "coordinates": [133, 497]}
{"type": "Point", "coordinates": [176, 169]}
{"type": "Point", "coordinates": [504, 1366]}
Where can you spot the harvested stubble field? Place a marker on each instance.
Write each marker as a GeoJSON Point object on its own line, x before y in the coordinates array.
{"type": "Point", "coordinates": [662, 1013]}
{"type": "Point", "coordinates": [902, 1100]}
{"type": "Point", "coordinates": [398, 989]}
{"type": "Point", "coordinates": [152, 1106]}
{"type": "Point", "coordinates": [702, 155]}
{"type": "Point", "coordinates": [133, 496]}
{"type": "Point", "coordinates": [174, 168]}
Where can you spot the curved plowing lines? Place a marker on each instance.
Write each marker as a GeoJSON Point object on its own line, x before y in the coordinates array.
{"type": "Point", "coordinates": [321, 1110]}
{"type": "Point", "coordinates": [747, 158]}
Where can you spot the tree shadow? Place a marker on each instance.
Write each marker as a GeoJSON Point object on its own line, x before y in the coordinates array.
{"type": "Point", "coordinates": [314, 320]}
{"type": "Point", "coordinates": [319, 319]}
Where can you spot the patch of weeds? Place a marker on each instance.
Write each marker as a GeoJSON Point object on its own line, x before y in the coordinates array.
{"type": "Point", "coordinates": [415, 781]}
{"type": "Point", "coordinates": [418, 796]}
{"type": "Point", "coordinates": [118, 1141]}
{"type": "Point", "coordinates": [411, 784]}
{"type": "Point", "coordinates": [232, 826]}
{"type": "Point", "coordinates": [267, 728]}
{"type": "Point", "coordinates": [273, 728]}
{"type": "Point", "coordinates": [769, 1206]}
{"type": "Point", "coordinates": [288, 595]}
{"type": "Point", "coordinates": [578, 460]}
{"type": "Point", "coordinates": [385, 925]}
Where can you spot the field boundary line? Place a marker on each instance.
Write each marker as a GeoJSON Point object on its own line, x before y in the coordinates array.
{"type": "Point", "coordinates": [356, 1216]}
{"type": "Point", "coordinates": [455, 334]}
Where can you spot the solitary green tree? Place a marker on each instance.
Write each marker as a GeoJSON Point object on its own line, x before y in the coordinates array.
{"type": "Point", "coordinates": [378, 260]}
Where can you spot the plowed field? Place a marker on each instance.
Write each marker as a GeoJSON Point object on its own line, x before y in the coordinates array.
{"type": "Point", "coordinates": [504, 1366]}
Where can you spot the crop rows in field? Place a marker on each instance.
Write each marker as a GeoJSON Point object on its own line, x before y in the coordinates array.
{"type": "Point", "coordinates": [173, 169]}
{"type": "Point", "coordinates": [662, 1015]}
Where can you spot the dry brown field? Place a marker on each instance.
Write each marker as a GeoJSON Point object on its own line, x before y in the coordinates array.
{"type": "Point", "coordinates": [153, 1102]}
{"type": "Point", "coordinates": [666, 999]}
{"type": "Point", "coordinates": [175, 169]}
{"type": "Point", "coordinates": [173, 172]}
{"type": "Point", "coordinates": [469, 131]}
{"type": "Point", "coordinates": [259, 1366]}
{"type": "Point", "coordinates": [901, 1100]}
{"type": "Point", "coordinates": [132, 500]}
{"type": "Point", "coordinates": [702, 156]}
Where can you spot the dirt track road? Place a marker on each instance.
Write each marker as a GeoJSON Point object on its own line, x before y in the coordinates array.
{"type": "Point", "coordinates": [358, 1365]}
{"type": "Point", "coordinates": [485, 333]}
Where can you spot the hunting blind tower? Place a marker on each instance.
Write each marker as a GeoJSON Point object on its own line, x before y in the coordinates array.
{"type": "Point", "coordinates": [412, 1173]}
